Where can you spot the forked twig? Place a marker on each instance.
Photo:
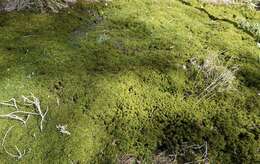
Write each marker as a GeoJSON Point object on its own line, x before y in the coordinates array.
{"type": "Point", "coordinates": [14, 116]}
{"type": "Point", "coordinates": [10, 103]}
{"type": "Point", "coordinates": [23, 116]}
{"type": "Point", "coordinates": [36, 103]}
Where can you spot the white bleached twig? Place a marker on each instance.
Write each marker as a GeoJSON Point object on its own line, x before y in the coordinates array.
{"type": "Point", "coordinates": [36, 103]}
{"type": "Point", "coordinates": [63, 129]}
{"type": "Point", "coordinates": [3, 141]}
{"type": "Point", "coordinates": [14, 116]}
{"type": "Point", "coordinates": [19, 154]}
{"type": "Point", "coordinates": [10, 103]}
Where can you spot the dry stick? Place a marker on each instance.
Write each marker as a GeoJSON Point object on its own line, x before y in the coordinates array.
{"type": "Point", "coordinates": [6, 134]}
{"type": "Point", "coordinates": [43, 118]}
{"type": "Point", "coordinates": [11, 103]}
{"type": "Point", "coordinates": [19, 154]}
{"type": "Point", "coordinates": [36, 103]}
{"type": "Point", "coordinates": [24, 112]}
{"type": "Point", "coordinates": [205, 155]}
{"type": "Point", "coordinates": [205, 158]}
{"type": "Point", "coordinates": [13, 116]}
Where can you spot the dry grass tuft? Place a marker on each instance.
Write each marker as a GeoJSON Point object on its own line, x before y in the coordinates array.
{"type": "Point", "coordinates": [128, 159]}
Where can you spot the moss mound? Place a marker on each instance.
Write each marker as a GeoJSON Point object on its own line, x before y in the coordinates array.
{"type": "Point", "coordinates": [126, 79]}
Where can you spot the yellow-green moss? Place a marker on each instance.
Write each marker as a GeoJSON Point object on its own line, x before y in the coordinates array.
{"type": "Point", "coordinates": [118, 74]}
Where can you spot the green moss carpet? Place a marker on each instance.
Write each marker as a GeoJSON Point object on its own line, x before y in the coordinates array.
{"type": "Point", "coordinates": [126, 80]}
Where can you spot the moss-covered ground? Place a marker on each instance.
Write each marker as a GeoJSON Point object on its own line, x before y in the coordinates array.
{"type": "Point", "coordinates": [117, 76]}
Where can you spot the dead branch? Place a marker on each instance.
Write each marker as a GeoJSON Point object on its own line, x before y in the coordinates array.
{"type": "Point", "coordinates": [205, 155]}
{"type": "Point", "coordinates": [3, 141]}
{"type": "Point", "coordinates": [10, 103]}
{"type": "Point", "coordinates": [23, 116]}
{"type": "Point", "coordinates": [36, 103]}
{"type": "Point", "coordinates": [19, 154]}
{"type": "Point", "coordinates": [14, 116]}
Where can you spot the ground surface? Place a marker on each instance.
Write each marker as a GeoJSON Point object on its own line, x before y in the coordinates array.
{"type": "Point", "coordinates": [120, 77]}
